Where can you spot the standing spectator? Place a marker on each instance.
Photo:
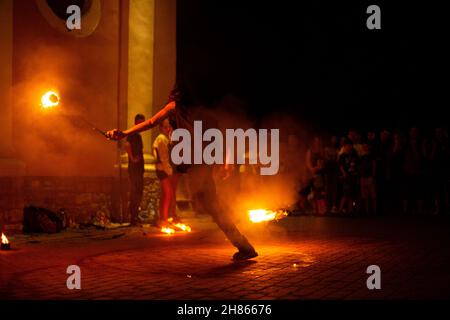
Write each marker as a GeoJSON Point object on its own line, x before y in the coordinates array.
{"type": "Point", "coordinates": [440, 158]}
{"type": "Point", "coordinates": [134, 148]}
{"type": "Point", "coordinates": [355, 138]}
{"type": "Point", "coordinates": [384, 172]}
{"type": "Point", "coordinates": [332, 173]}
{"type": "Point", "coordinates": [342, 142]}
{"type": "Point", "coordinates": [395, 172]}
{"type": "Point", "coordinates": [374, 143]}
{"type": "Point", "coordinates": [348, 167]}
{"type": "Point", "coordinates": [165, 173]}
{"type": "Point", "coordinates": [315, 164]}
{"type": "Point", "coordinates": [413, 172]}
{"type": "Point", "coordinates": [367, 170]}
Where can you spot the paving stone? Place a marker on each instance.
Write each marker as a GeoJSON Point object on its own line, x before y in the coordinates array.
{"type": "Point", "coordinates": [327, 262]}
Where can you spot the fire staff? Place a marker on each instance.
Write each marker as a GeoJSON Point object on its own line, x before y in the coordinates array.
{"type": "Point", "coordinates": [182, 111]}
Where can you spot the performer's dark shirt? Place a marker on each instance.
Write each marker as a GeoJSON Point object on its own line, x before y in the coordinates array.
{"type": "Point", "coordinates": [184, 117]}
{"type": "Point", "coordinates": [137, 146]}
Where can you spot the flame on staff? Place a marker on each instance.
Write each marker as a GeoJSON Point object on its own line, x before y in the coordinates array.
{"type": "Point", "coordinates": [49, 100]}
{"type": "Point", "coordinates": [261, 215]}
{"type": "Point", "coordinates": [4, 239]}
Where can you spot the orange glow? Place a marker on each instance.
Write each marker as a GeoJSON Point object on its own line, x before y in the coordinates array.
{"type": "Point", "coordinates": [167, 230]}
{"type": "Point", "coordinates": [260, 215]}
{"type": "Point", "coordinates": [4, 239]}
{"type": "Point", "coordinates": [49, 100]}
{"type": "Point", "coordinates": [183, 227]}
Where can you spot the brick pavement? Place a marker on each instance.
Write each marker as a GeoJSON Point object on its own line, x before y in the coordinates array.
{"type": "Point", "coordinates": [300, 258]}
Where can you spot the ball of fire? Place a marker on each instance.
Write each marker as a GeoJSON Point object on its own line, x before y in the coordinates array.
{"type": "Point", "coordinates": [49, 100]}
{"type": "Point", "coordinates": [261, 215]}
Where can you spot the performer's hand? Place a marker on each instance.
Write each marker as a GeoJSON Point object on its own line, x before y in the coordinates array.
{"type": "Point", "coordinates": [115, 134]}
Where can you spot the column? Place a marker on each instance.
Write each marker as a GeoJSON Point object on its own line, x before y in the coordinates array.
{"type": "Point", "coordinates": [8, 165]}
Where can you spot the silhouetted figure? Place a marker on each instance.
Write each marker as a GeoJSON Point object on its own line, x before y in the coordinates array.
{"type": "Point", "coordinates": [413, 172]}
{"type": "Point", "coordinates": [440, 171]}
{"type": "Point", "coordinates": [348, 162]}
{"type": "Point", "coordinates": [181, 111]}
{"type": "Point", "coordinates": [332, 173]}
{"type": "Point", "coordinates": [367, 171]}
{"type": "Point", "coordinates": [384, 175]}
{"type": "Point", "coordinates": [315, 162]}
{"type": "Point", "coordinates": [134, 148]}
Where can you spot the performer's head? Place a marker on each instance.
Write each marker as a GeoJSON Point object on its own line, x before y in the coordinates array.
{"type": "Point", "coordinates": [181, 93]}
{"type": "Point", "coordinates": [139, 118]}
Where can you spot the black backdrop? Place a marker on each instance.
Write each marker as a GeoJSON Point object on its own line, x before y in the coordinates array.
{"type": "Point", "coordinates": [317, 60]}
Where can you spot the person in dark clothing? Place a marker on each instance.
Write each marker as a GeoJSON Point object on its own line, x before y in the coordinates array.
{"type": "Point", "coordinates": [367, 170]}
{"type": "Point", "coordinates": [373, 142]}
{"type": "Point", "coordinates": [440, 173]}
{"type": "Point", "coordinates": [134, 148]}
{"type": "Point", "coordinates": [413, 172]}
{"type": "Point", "coordinates": [315, 164]}
{"type": "Point", "coordinates": [332, 173]}
{"type": "Point", "coordinates": [182, 112]}
{"type": "Point", "coordinates": [348, 162]}
{"type": "Point", "coordinates": [384, 177]}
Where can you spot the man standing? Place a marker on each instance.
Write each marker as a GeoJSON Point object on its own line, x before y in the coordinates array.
{"type": "Point", "coordinates": [134, 148]}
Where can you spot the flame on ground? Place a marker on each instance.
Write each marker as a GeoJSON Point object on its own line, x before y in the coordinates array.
{"type": "Point", "coordinates": [49, 99]}
{"type": "Point", "coordinates": [167, 230]}
{"type": "Point", "coordinates": [4, 239]}
{"type": "Point", "coordinates": [181, 226]}
{"type": "Point", "coordinates": [260, 215]}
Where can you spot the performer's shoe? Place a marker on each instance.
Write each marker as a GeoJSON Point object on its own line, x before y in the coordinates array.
{"type": "Point", "coordinates": [174, 220]}
{"type": "Point", "coordinates": [245, 254]}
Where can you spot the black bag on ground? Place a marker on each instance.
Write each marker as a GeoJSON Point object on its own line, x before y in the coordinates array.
{"type": "Point", "coordinates": [40, 220]}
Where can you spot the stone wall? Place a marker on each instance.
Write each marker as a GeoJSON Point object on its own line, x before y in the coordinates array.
{"type": "Point", "coordinates": [81, 197]}
{"type": "Point", "coordinates": [11, 199]}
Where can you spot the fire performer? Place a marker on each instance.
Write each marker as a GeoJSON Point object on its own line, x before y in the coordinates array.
{"type": "Point", "coordinates": [180, 109]}
{"type": "Point", "coordinates": [134, 148]}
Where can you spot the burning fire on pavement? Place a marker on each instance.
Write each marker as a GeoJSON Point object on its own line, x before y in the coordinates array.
{"type": "Point", "coordinates": [5, 245]}
{"type": "Point", "coordinates": [167, 230]}
{"type": "Point", "coordinates": [173, 226]}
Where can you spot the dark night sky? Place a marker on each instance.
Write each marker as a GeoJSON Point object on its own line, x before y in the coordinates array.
{"type": "Point", "coordinates": [316, 60]}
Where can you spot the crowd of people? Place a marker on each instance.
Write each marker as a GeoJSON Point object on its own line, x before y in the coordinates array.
{"type": "Point", "coordinates": [378, 173]}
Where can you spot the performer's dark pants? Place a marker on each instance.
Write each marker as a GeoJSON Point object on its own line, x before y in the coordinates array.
{"type": "Point", "coordinates": [136, 190]}
{"type": "Point", "coordinates": [203, 190]}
